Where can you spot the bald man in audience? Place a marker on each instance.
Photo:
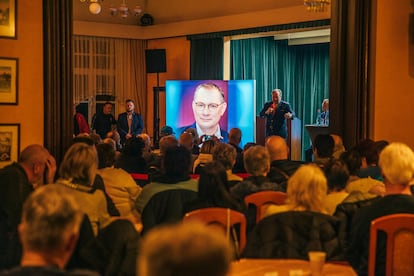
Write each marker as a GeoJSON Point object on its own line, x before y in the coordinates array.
{"type": "Point", "coordinates": [36, 167]}
{"type": "Point", "coordinates": [281, 168]}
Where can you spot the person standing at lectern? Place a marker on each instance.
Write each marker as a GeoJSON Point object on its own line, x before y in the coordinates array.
{"type": "Point", "coordinates": [276, 112]}
{"type": "Point", "coordinates": [129, 123]}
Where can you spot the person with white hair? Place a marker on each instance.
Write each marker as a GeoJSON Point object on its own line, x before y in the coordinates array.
{"type": "Point", "coordinates": [397, 167]}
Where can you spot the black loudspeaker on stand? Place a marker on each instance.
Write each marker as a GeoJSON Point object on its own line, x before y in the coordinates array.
{"type": "Point", "coordinates": [155, 61]}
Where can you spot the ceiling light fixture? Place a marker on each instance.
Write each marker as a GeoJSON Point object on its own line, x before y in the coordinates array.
{"type": "Point", "coordinates": [124, 10]}
{"type": "Point", "coordinates": [94, 6]}
{"type": "Point", "coordinates": [317, 5]}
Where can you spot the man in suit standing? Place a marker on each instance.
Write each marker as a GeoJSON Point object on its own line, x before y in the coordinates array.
{"type": "Point", "coordinates": [276, 113]}
{"type": "Point", "coordinates": [129, 123]}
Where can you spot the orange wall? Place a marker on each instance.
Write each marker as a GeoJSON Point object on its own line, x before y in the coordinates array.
{"type": "Point", "coordinates": [178, 68]}
{"type": "Point", "coordinates": [28, 48]}
{"type": "Point", "coordinates": [394, 86]}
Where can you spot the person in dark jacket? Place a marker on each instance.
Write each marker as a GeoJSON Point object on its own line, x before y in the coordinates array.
{"type": "Point", "coordinates": [129, 123]}
{"type": "Point", "coordinates": [36, 166]}
{"type": "Point", "coordinates": [300, 226]}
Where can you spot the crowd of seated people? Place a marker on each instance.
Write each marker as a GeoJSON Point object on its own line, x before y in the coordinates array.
{"type": "Point", "coordinates": [330, 202]}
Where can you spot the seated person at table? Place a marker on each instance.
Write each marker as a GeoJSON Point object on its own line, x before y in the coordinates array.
{"type": "Point", "coordinates": [323, 149]}
{"type": "Point", "coordinates": [119, 184]}
{"type": "Point", "coordinates": [226, 155]}
{"type": "Point", "coordinates": [77, 173]}
{"type": "Point", "coordinates": [397, 166]}
{"type": "Point", "coordinates": [257, 163]}
{"type": "Point", "coordinates": [131, 159]}
{"type": "Point", "coordinates": [291, 230]}
{"type": "Point", "coordinates": [213, 190]}
{"type": "Point", "coordinates": [48, 231]}
{"type": "Point", "coordinates": [174, 175]}
{"type": "Point", "coordinates": [281, 167]}
{"type": "Point", "coordinates": [185, 250]}
{"type": "Point", "coordinates": [205, 156]}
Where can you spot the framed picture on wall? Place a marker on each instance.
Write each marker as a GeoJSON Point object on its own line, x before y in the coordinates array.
{"type": "Point", "coordinates": [8, 19]}
{"type": "Point", "coordinates": [8, 80]}
{"type": "Point", "coordinates": [9, 143]}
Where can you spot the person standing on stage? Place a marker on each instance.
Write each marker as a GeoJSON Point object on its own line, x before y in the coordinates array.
{"type": "Point", "coordinates": [276, 112]}
{"type": "Point", "coordinates": [129, 123]}
{"type": "Point", "coordinates": [104, 121]}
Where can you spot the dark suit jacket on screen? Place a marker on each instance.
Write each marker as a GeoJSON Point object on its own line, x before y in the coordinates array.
{"type": "Point", "coordinates": [224, 133]}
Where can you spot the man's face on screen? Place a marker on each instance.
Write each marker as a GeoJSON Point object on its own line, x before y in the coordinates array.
{"type": "Point", "coordinates": [208, 107]}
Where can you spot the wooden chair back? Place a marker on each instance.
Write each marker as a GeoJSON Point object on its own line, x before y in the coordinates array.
{"type": "Point", "coordinates": [225, 217]}
{"type": "Point", "coordinates": [399, 229]}
{"type": "Point", "coordinates": [264, 197]}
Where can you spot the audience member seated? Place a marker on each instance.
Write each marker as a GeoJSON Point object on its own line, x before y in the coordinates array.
{"type": "Point", "coordinates": [369, 187]}
{"type": "Point", "coordinates": [35, 168]}
{"type": "Point", "coordinates": [114, 251]}
{"type": "Point", "coordinates": [196, 141]}
{"type": "Point", "coordinates": [257, 164]}
{"type": "Point", "coordinates": [369, 157]}
{"type": "Point", "coordinates": [205, 156]}
{"type": "Point", "coordinates": [147, 151]}
{"type": "Point", "coordinates": [235, 136]}
{"type": "Point", "coordinates": [323, 149]}
{"type": "Point", "coordinates": [339, 147]}
{"type": "Point", "coordinates": [397, 166]}
{"type": "Point", "coordinates": [213, 190]}
{"type": "Point", "coordinates": [154, 168]}
{"type": "Point", "coordinates": [98, 181]}
{"type": "Point", "coordinates": [48, 231]}
{"type": "Point", "coordinates": [112, 142]}
{"type": "Point", "coordinates": [77, 173]}
{"type": "Point", "coordinates": [337, 176]}
{"type": "Point", "coordinates": [186, 250]}
{"type": "Point", "coordinates": [281, 168]}
{"type": "Point", "coordinates": [307, 191]}
{"type": "Point", "coordinates": [131, 159]}
{"type": "Point", "coordinates": [301, 225]}
{"type": "Point", "coordinates": [119, 184]}
{"type": "Point", "coordinates": [226, 155]}
{"type": "Point", "coordinates": [186, 140]}
{"type": "Point", "coordinates": [175, 177]}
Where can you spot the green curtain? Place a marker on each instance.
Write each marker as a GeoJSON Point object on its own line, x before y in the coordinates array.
{"type": "Point", "coordinates": [302, 72]}
{"type": "Point", "coordinates": [206, 59]}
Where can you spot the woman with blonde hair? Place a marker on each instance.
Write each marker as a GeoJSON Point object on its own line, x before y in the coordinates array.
{"type": "Point", "coordinates": [77, 173]}
{"type": "Point", "coordinates": [307, 190]}
{"type": "Point", "coordinates": [300, 226]}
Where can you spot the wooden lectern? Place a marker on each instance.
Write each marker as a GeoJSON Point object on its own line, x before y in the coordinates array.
{"type": "Point", "coordinates": [294, 141]}
{"type": "Point", "coordinates": [315, 130]}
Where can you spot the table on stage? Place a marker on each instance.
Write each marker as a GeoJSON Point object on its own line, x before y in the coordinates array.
{"type": "Point", "coordinates": [285, 267]}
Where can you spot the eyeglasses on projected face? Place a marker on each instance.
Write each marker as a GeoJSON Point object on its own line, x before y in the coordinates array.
{"type": "Point", "coordinates": [211, 107]}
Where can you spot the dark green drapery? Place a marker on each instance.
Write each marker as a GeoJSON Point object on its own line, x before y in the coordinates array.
{"type": "Point", "coordinates": [302, 72]}
{"type": "Point", "coordinates": [206, 59]}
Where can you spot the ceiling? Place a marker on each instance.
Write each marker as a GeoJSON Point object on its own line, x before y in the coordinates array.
{"type": "Point", "coordinates": [172, 11]}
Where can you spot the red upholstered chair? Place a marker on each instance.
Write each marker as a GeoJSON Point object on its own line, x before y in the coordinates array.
{"type": "Point", "coordinates": [225, 217]}
{"type": "Point", "coordinates": [399, 229]}
{"type": "Point", "coordinates": [264, 197]}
